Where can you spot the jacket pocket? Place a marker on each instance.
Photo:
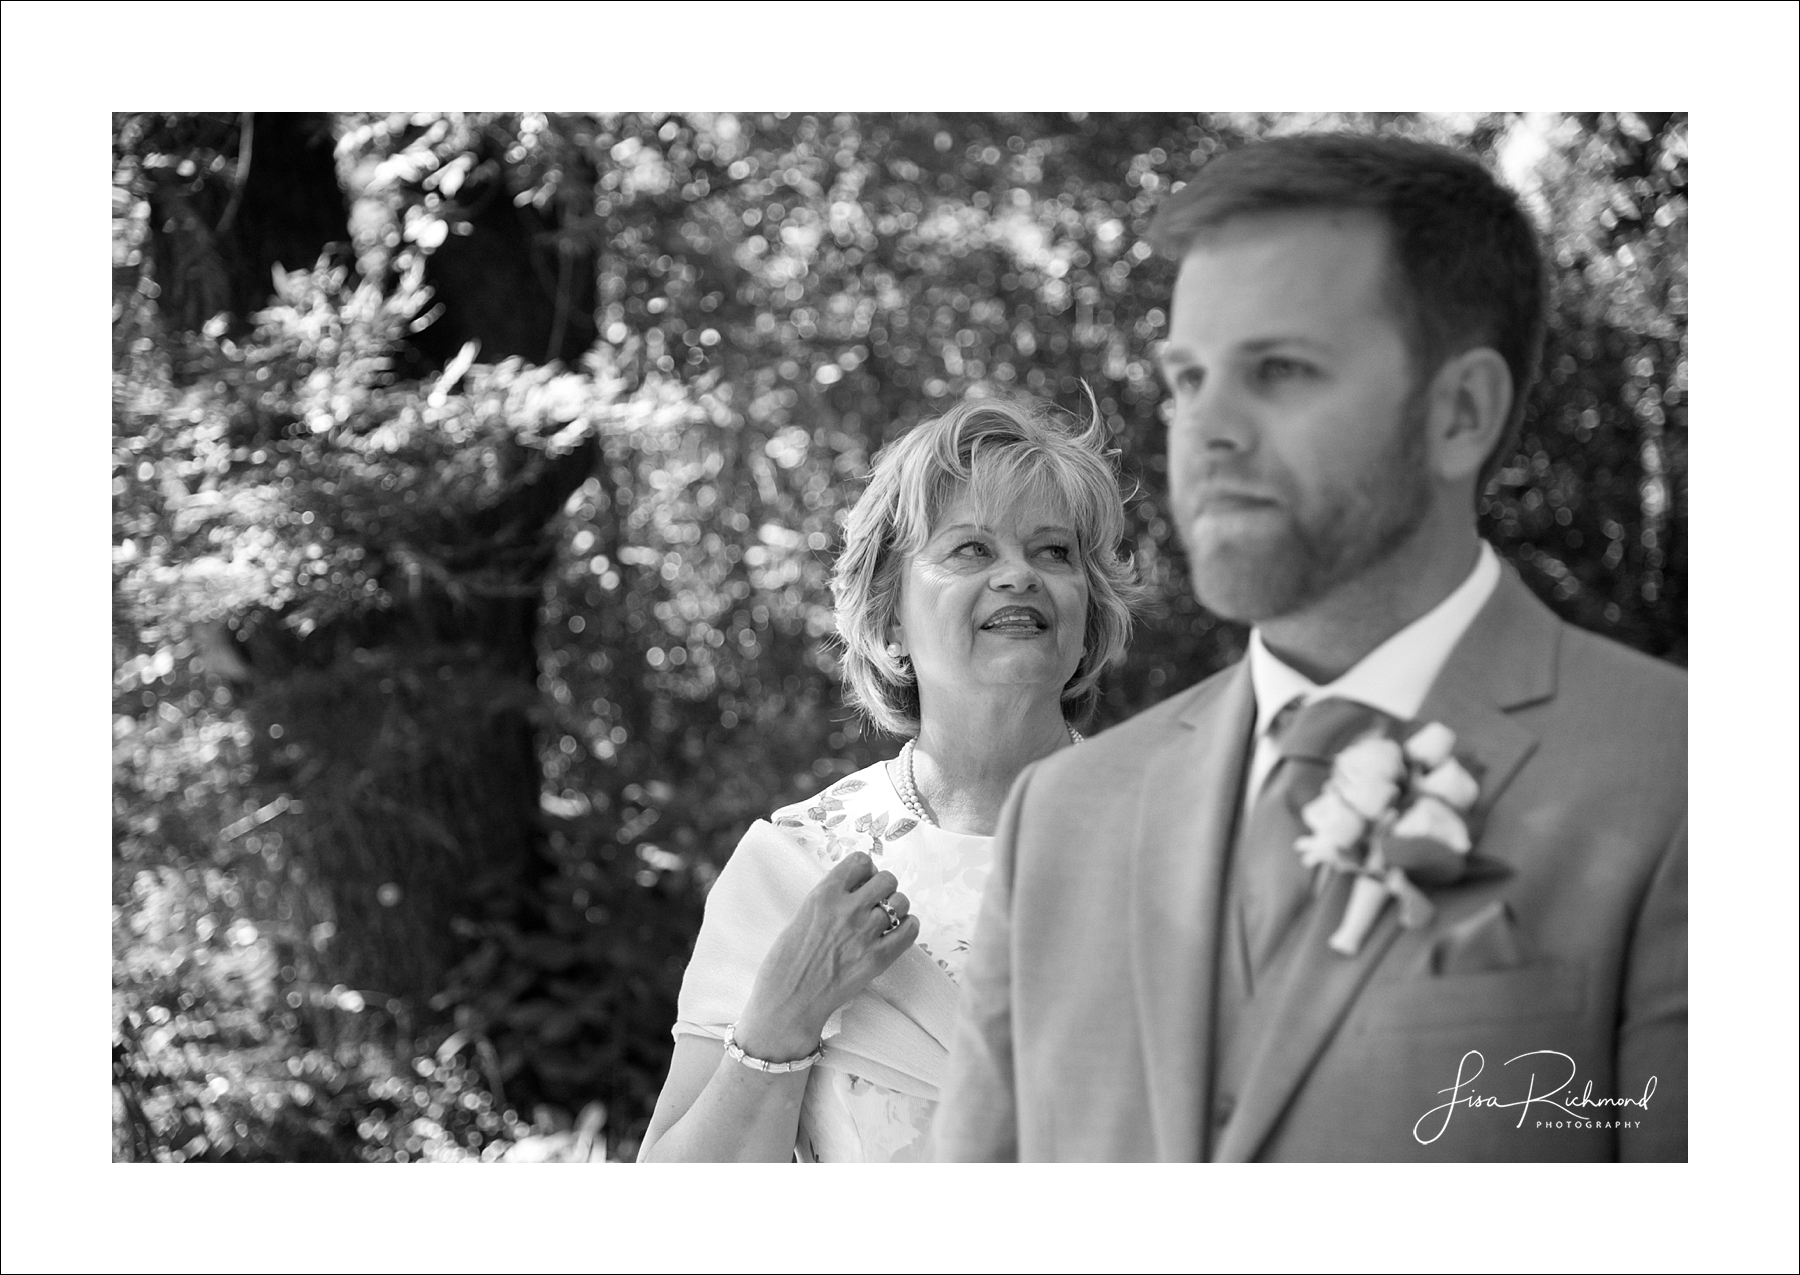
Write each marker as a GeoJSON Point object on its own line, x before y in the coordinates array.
{"type": "Point", "coordinates": [1545, 989]}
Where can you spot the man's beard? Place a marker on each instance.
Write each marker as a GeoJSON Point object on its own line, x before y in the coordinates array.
{"type": "Point", "coordinates": [1357, 523]}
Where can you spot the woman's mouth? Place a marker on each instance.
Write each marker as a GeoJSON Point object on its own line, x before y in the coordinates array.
{"type": "Point", "coordinates": [1016, 619]}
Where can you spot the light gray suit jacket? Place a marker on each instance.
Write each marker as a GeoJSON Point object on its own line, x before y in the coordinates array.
{"type": "Point", "coordinates": [1088, 1003]}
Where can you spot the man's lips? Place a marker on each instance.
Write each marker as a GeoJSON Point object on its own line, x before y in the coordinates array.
{"type": "Point", "coordinates": [1016, 617]}
{"type": "Point", "coordinates": [1228, 500]}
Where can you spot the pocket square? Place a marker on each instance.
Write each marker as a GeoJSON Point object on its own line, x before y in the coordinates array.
{"type": "Point", "coordinates": [1482, 942]}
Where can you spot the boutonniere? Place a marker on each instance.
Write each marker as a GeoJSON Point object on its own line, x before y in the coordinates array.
{"type": "Point", "coordinates": [1392, 815]}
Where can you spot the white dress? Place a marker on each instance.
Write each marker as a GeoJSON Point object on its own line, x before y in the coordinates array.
{"type": "Point", "coordinates": [843, 1116]}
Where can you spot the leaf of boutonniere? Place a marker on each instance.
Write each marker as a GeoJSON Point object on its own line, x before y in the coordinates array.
{"type": "Point", "coordinates": [1416, 910]}
{"type": "Point", "coordinates": [1480, 867]}
{"type": "Point", "coordinates": [1425, 860]}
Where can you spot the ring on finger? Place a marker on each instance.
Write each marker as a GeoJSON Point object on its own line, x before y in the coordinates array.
{"type": "Point", "coordinates": [892, 916]}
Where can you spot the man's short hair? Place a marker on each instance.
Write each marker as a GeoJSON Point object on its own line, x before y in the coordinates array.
{"type": "Point", "coordinates": [1469, 269]}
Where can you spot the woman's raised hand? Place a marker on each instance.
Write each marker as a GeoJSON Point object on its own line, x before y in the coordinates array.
{"type": "Point", "coordinates": [848, 930]}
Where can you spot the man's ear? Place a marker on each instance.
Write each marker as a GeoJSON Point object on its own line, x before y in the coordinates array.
{"type": "Point", "coordinates": [1469, 400]}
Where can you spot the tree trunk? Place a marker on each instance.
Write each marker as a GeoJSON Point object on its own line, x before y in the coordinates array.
{"type": "Point", "coordinates": [397, 748]}
{"type": "Point", "coordinates": [404, 740]}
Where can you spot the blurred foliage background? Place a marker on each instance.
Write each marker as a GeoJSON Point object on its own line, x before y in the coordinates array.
{"type": "Point", "coordinates": [476, 483]}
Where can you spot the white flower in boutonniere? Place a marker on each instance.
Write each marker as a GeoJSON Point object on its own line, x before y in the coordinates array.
{"type": "Point", "coordinates": [1450, 784]}
{"type": "Point", "coordinates": [1393, 816]}
{"type": "Point", "coordinates": [1365, 780]}
{"type": "Point", "coordinates": [1430, 745]}
{"type": "Point", "coordinates": [1333, 828]}
{"type": "Point", "coordinates": [1367, 775]}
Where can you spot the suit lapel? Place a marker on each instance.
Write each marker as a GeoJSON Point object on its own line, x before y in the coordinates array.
{"type": "Point", "coordinates": [1506, 660]}
{"type": "Point", "coordinates": [1310, 1001]}
{"type": "Point", "coordinates": [1186, 811]}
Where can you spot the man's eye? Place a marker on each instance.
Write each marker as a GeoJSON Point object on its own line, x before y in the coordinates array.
{"type": "Point", "coordinates": [1280, 369]}
{"type": "Point", "coordinates": [1186, 380]}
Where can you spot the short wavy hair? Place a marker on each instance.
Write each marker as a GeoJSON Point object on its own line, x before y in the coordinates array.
{"type": "Point", "coordinates": [1003, 451]}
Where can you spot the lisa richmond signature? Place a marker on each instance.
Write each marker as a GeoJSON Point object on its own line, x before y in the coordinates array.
{"type": "Point", "coordinates": [1461, 1095]}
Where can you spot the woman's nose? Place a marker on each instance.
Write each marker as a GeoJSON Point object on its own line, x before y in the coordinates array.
{"type": "Point", "coordinates": [1015, 575]}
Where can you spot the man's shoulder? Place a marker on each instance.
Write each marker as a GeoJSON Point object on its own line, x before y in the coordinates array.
{"type": "Point", "coordinates": [1622, 701]}
{"type": "Point", "coordinates": [1606, 665]}
{"type": "Point", "coordinates": [1136, 738]}
{"type": "Point", "coordinates": [1530, 657]}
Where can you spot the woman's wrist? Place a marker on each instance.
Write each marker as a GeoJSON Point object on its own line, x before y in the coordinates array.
{"type": "Point", "coordinates": [774, 1040]}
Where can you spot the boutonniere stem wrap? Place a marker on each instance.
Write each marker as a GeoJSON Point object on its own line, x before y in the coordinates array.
{"type": "Point", "coordinates": [1391, 815]}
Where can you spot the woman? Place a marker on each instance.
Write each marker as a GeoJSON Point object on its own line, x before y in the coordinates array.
{"type": "Point", "coordinates": [980, 595]}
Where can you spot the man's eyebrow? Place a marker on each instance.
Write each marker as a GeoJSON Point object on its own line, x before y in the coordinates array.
{"type": "Point", "coordinates": [1263, 344]}
{"type": "Point", "coordinates": [1173, 357]}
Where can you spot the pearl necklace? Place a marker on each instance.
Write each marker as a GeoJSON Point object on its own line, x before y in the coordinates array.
{"type": "Point", "coordinates": [909, 787]}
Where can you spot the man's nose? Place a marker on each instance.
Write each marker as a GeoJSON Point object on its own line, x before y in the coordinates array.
{"type": "Point", "coordinates": [1215, 418]}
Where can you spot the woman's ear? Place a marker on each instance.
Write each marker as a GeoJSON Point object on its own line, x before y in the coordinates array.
{"type": "Point", "coordinates": [1468, 403]}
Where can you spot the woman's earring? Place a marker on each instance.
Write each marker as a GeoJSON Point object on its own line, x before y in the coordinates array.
{"type": "Point", "coordinates": [896, 651]}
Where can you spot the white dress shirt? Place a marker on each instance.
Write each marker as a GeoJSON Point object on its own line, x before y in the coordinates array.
{"type": "Point", "coordinates": [1395, 677]}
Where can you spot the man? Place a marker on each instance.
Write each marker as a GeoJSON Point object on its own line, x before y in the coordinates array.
{"type": "Point", "coordinates": [1156, 975]}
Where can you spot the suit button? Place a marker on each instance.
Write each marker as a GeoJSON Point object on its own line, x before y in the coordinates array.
{"type": "Point", "coordinates": [1223, 1108]}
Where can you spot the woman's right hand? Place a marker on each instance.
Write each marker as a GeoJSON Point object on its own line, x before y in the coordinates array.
{"type": "Point", "coordinates": [835, 946]}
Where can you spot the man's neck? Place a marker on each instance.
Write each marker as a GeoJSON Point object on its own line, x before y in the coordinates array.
{"type": "Point", "coordinates": [1331, 636]}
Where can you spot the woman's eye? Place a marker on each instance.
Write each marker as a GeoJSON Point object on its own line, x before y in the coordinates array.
{"type": "Point", "coordinates": [1062, 553]}
{"type": "Point", "coordinates": [1187, 380]}
{"type": "Point", "coordinates": [970, 549]}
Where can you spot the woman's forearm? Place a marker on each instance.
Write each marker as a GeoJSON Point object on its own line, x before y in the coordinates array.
{"type": "Point", "coordinates": [740, 1116]}
{"type": "Point", "coordinates": [851, 926]}
{"type": "Point", "coordinates": [714, 1109]}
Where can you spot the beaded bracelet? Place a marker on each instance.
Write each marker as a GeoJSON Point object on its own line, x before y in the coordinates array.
{"type": "Point", "coordinates": [762, 1064]}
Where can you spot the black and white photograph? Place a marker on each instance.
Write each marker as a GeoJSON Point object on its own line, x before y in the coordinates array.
{"type": "Point", "coordinates": [1099, 637]}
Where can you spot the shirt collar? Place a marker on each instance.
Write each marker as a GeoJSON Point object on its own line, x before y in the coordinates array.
{"type": "Point", "coordinates": [1397, 675]}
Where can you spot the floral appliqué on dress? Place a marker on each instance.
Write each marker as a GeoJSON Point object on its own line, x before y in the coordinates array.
{"type": "Point", "coordinates": [941, 873]}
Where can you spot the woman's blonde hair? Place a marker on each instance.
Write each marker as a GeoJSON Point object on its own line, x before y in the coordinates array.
{"type": "Point", "coordinates": [1003, 451]}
